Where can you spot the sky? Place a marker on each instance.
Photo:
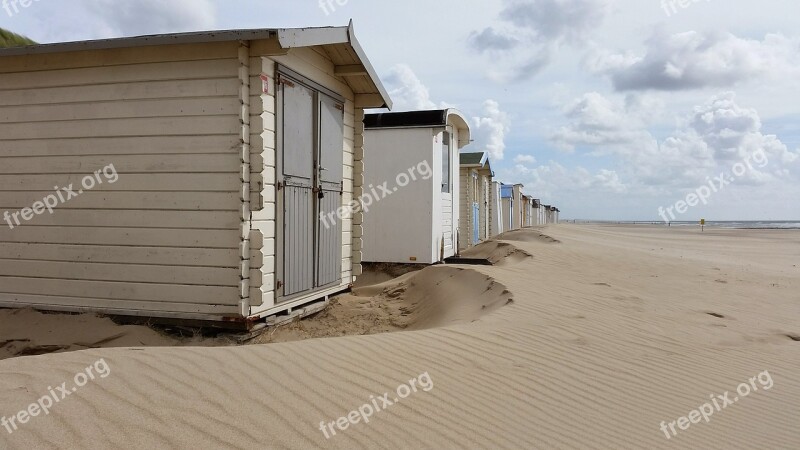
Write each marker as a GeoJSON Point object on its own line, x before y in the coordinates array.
{"type": "Point", "coordinates": [609, 109]}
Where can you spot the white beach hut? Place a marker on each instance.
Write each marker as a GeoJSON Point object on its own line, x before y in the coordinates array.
{"type": "Point", "coordinates": [475, 198]}
{"type": "Point", "coordinates": [507, 206]}
{"type": "Point", "coordinates": [537, 214]}
{"type": "Point", "coordinates": [527, 209]}
{"type": "Point", "coordinates": [231, 150]}
{"type": "Point", "coordinates": [411, 162]}
{"type": "Point", "coordinates": [519, 207]}
{"type": "Point", "coordinates": [495, 210]}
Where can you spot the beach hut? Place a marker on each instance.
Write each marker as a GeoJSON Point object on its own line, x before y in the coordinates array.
{"type": "Point", "coordinates": [411, 160]}
{"type": "Point", "coordinates": [519, 207]}
{"type": "Point", "coordinates": [495, 210]}
{"type": "Point", "coordinates": [476, 189]}
{"type": "Point", "coordinates": [549, 214]}
{"type": "Point", "coordinates": [527, 209]}
{"type": "Point", "coordinates": [198, 176]}
{"type": "Point", "coordinates": [507, 206]}
{"type": "Point", "coordinates": [536, 215]}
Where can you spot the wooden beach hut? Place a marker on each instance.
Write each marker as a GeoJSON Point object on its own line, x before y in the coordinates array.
{"type": "Point", "coordinates": [475, 198]}
{"type": "Point", "coordinates": [235, 152]}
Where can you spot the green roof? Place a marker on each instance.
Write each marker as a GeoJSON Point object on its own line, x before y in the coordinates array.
{"type": "Point", "coordinates": [469, 159]}
{"type": "Point", "coordinates": [9, 39]}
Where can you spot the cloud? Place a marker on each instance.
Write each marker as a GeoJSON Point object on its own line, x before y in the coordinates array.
{"type": "Point", "coordinates": [552, 181]}
{"type": "Point", "coordinates": [533, 31]}
{"type": "Point", "coordinates": [410, 94]}
{"type": "Point", "coordinates": [556, 21]}
{"type": "Point", "coordinates": [714, 137]}
{"type": "Point", "coordinates": [490, 129]}
{"type": "Point", "coordinates": [733, 132]}
{"type": "Point", "coordinates": [137, 17]}
{"type": "Point", "coordinates": [490, 39]}
{"type": "Point", "coordinates": [524, 159]}
{"type": "Point", "coordinates": [696, 60]}
{"type": "Point", "coordinates": [406, 90]}
{"type": "Point", "coordinates": [599, 121]}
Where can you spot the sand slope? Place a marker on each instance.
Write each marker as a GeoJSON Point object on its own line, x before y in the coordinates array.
{"type": "Point", "coordinates": [608, 335]}
{"type": "Point", "coordinates": [434, 297]}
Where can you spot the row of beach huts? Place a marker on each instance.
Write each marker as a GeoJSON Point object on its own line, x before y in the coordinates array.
{"type": "Point", "coordinates": [250, 181]}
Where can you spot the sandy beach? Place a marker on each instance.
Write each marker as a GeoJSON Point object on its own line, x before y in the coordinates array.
{"type": "Point", "coordinates": [580, 336]}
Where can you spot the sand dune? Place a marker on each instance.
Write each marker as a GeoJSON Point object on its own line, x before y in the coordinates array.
{"type": "Point", "coordinates": [435, 297]}
{"type": "Point", "coordinates": [612, 331]}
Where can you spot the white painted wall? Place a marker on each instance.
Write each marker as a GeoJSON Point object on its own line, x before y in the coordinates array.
{"type": "Point", "coordinates": [495, 211]}
{"type": "Point", "coordinates": [401, 227]}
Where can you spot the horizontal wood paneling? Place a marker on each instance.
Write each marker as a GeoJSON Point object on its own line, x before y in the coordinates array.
{"type": "Point", "coordinates": [209, 182]}
{"type": "Point", "coordinates": [166, 235]}
{"type": "Point", "coordinates": [135, 307]}
{"type": "Point", "coordinates": [167, 293]}
{"type": "Point", "coordinates": [141, 90]}
{"type": "Point", "coordinates": [176, 201]}
{"type": "Point", "coordinates": [117, 254]}
{"type": "Point", "coordinates": [116, 109]}
{"type": "Point", "coordinates": [202, 276]}
{"type": "Point", "coordinates": [86, 165]}
{"type": "Point", "coordinates": [126, 145]}
{"type": "Point", "coordinates": [143, 126]}
{"type": "Point", "coordinates": [144, 237]}
{"type": "Point", "coordinates": [92, 76]}
{"type": "Point", "coordinates": [138, 218]}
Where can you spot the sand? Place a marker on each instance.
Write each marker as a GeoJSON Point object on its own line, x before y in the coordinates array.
{"type": "Point", "coordinates": [611, 331]}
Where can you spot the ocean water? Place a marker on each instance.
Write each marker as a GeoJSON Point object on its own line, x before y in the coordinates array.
{"type": "Point", "coordinates": [782, 224]}
{"type": "Point", "coordinates": [744, 224]}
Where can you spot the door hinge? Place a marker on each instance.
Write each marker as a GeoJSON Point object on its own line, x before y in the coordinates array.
{"type": "Point", "coordinates": [279, 185]}
{"type": "Point", "coordinates": [278, 284]}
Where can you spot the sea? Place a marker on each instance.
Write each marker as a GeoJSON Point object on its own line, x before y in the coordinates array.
{"type": "Point", "coordinates": [744, 224]}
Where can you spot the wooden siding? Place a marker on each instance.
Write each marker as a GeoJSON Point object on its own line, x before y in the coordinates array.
{"type": "Point", "coordinates": [165, 238]}
{"type": "Point", "coordinates": [465, 213]}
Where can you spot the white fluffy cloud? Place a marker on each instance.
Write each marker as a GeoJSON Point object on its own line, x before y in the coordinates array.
{"type": "Point", "coordinates": [712, 139]}
{"type": "Point", "coordinates": [695, 60]}
{"type": "Point", "coordinates": [553, 181]}
{"type": "Point", "coordinates": [524, 159]}
{"type": "Point", "coordinates": [489, 130]}
{"type": "Point", "coordinates": [407, 90]}
{"type": "Point", "coordinates": [596, 120]}
{"type": "Point", "coordinates": [721, 133]}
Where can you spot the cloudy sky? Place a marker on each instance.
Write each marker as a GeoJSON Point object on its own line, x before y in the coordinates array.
{"type": "Point", "coordinates": [608, 109]}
